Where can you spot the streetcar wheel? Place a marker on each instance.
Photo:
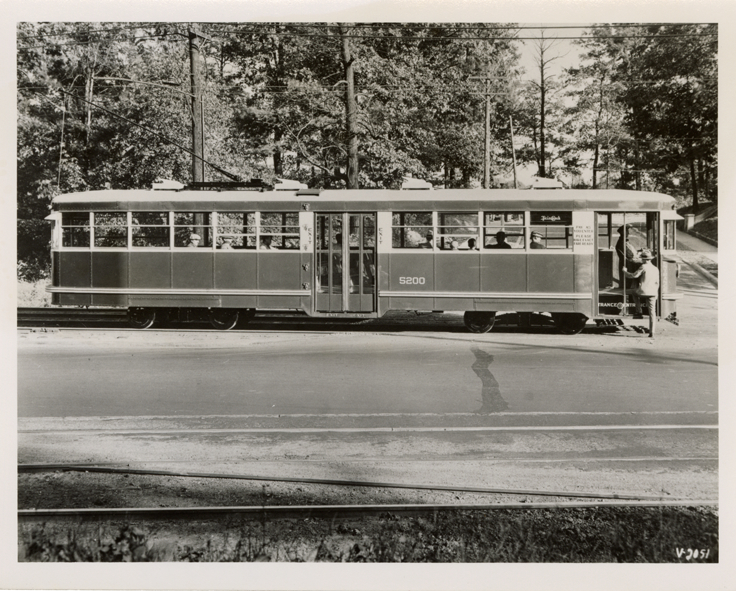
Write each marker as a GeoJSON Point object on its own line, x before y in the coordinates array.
{"type": "Point", "coordinates": [223, 318]}
{"type": "Point", "coordinates": [246, 316]}
{"type": "Point", "coordinates": [479, 321]}
{"type": "Point", "coordinates": [570, 323]}
{"type": "Point", "coordinates": [141, 317]}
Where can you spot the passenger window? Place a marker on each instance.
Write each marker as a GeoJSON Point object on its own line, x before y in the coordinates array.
{"type": "Point", "coordinates": [669, 235]}
{"type": "Point", "coordinates": [412, 230]}
{"type": "Point", "coordinates": [150, 229]}
{"type": "Point", "coordinates": [236, 229]}
{"type": "Point", "coordinates": [192, 224]}
{"type": "Point", "coordinates": [279, 231]}
{"type": "Point", "coordinates": [111, 230]}
{"type": "Point", "coordinates": [458, 231]}
{"type": "Point", "coordinates": [503, 230]}
{"type": "Point", "coordinates": [555, 228]}
{"type": "Point", "coordinates": [75, 229]}
{"type": "Point", "coordinates": [605, 231]}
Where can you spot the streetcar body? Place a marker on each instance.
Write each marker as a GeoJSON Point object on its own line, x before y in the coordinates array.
{"type": "Point", "coordinates": [359, 253]}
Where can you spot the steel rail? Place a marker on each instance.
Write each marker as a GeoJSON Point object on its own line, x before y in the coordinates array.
{"type": "Point", "coordinates": [330, 511]}
{"type": "Point", "coordinates": [29, 468]}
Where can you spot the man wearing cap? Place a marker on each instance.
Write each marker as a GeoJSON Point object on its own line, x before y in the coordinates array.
{"type": "Point", "coordinates": [193, 241]}
{"type": "Point", "coordinates": [648, 288]}
{"type": "Point", "coordinates": [227, 243]}
{"type": "Point", "coordinates": [430, 241]}
{"type": "Point", "coordinates": [536, 240]}
{"type": "Point", "coordinates": [501, 240]}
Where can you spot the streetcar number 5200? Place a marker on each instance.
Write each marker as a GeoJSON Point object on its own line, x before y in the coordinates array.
{"type": "Point", "coordinates": [411, 280]}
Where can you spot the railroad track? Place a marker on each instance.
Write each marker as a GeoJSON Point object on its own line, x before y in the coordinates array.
{"type": "Point", "coordinates": [334, 511]}
{"type": "Point", "coordinates": [328, 511]}
{"type": "Point", "coordinates": [65, 315]}
{"type": "Point", "coordinates": [116, 318]}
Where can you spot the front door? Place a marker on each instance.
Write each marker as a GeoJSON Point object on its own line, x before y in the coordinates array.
{"type": "Point", "coordinates": [345, 238]}
{"type": "Point", "coordinates": [620, 236]}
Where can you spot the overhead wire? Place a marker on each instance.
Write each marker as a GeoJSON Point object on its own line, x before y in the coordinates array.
{"type": "Point", "coordinates": [253, 28]}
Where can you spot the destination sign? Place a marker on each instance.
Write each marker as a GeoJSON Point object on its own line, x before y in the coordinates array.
{"type": "Point", "coordinates": [547, 218]}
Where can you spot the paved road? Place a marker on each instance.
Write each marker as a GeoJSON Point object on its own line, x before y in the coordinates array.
{"type": "Point", "coordinates": [607, 409]}
{"type": "Point", "coordinates": [367, 373]}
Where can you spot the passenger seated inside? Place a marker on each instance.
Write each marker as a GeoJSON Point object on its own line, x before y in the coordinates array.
{"type": "Point", "coordinates": [500, 240]}
{"type": "Point", "coordinates": [194, 241]}
{"type": "Point", "coordinates": [454, 245]}
{"type": "Point", "coordinates": [430, 241]}
{"type": "Point", "coordinates": [266, 243]}
{"type": "Point", "coordinates": [536, 240]}
{"type": "Point", "coordinates": [227, 243]}
{"type": "Point", "coordinates": [471, 244]}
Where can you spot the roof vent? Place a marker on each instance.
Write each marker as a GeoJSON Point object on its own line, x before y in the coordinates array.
{"type": "Point", "coordinates": [288, 185]}
{"type": "Point", "coordinates": [542, 183]}
{"type": "Point", "coordinates": [411, 184]}
{"type": "Point", "coordinates": [166, 185]}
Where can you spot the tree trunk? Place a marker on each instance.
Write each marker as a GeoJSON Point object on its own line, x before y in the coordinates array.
{"type": "Point", "coordinates": [89, 88]}
{"type": "Point", "coordinates": [542, 162]}
{"type": "Point", "coordinates": [701, 179]}
{"type": "Point", "coordinates": [596, 157]}
{"type": "Point", "coordinates": [278, 165]}
{"type": "Point", "coordinates": [694, 181]}
{"type": "Point", "coordinates": [467, 178]}
{"type": "Point", "coordinates": [637, 163]}
{"type": "Point", "coordinates": [351, 111]}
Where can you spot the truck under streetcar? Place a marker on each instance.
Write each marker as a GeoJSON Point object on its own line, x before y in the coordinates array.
{"type": "Point", "coordinates": [225, 254]}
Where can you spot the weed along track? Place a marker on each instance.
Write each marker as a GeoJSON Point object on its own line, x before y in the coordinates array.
{"type": "Point", "coordinates": [271, 524]}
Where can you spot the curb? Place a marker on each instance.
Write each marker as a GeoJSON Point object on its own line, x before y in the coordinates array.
{"type": "Point", "coordinates": [703, 238]}
{"type": "Point", "coordinates": [702, 272]}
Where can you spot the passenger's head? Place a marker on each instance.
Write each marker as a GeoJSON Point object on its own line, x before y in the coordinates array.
{"type": "Point", "coordinates": [500, 236]}
{"type": "Point", "coordinates": [430, 236]}
{"type": "Point", "coordinates": [194, 239]}
{"type": "Point", "coordinates": [454, 245]}
{"type": "Point", "coordinates": [645, 254]}
{"type": "Point", "coordinates": [471, 243]}
{"type": "Point", "coordinates": [536, 236]}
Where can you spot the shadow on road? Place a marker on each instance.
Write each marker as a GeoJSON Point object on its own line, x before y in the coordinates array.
{"type": "Point", "coordinates": [490, 389]}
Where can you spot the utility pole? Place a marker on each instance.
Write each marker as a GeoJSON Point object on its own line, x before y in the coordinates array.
{"type": "Point", "coordinates": [351, 108]}
{"type": "Point", "coordinates": [487, 151]}
{"type": "Point", "coordinates": [488, 111]}
{"type": "Point", "coordinates": [197, 107]}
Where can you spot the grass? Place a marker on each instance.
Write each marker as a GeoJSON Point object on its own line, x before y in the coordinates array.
{"type": "Point", "coordinates": [624, 535]}
{"type": "Point", "coordinates": [33, 294]}
{"type": "Point", "coordinates": [708, 228]}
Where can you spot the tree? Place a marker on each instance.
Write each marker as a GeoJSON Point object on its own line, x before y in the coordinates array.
{"type": "Point", "coordinates": [546, 101]}
{"type": "Point", "coordinates": [661, 102]}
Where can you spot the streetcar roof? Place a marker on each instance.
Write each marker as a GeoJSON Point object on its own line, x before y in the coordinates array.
{"type": "Point", "coordinates": [365, 199]}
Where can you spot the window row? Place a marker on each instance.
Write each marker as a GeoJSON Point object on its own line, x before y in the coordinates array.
{"type": "Point", "coordinates": [270, 231]}
{"type": "Point", "coordinates": [489, 230]}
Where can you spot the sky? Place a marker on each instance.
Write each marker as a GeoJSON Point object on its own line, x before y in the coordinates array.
{"type": "Point", "coordinates": [566, 50]}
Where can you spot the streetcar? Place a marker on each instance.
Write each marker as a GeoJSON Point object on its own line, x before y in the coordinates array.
{"type": "Point", "coordinates": [223, 252]}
